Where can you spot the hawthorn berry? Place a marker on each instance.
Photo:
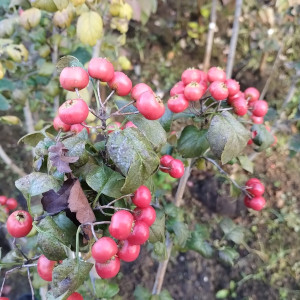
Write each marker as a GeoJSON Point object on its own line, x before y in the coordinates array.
{"type": "Point", "coordinates": [75, 296]}
{"type": "Point", "coordinates": [45, 267]}
{"type": "Point", "coordinates": [4, 298]}
{"type": "Point", "coordinates": [218, 90]}
{"type": "Point", "coordinates": [165, 161]}
{"type": "Point", "coordinates": [253, 133]}
{"type": "Point", "coordinates": [140, 233]}
{"type": "Point", "coordinates": [73, 111]}
{"type": "Point", "coordinates": [121, 224]}
{"type": "Point", "coordinates": [139, 89]}
{"type": "Point", "coordinates": [257, 120]}
{"type": "Point", "coordinates": [176, 168]}
{"type": "Point", "coordinates": [216, 74]}
{"type": "Point", "coordinates": [3, 200]}
{"type": "Point", "coordinates": [255, 203]}
{"type": "Point", "coordinates": [121, 83]}
{"type": "Point", "coordinates": [113, 126]}
{"type": "Point", "coordinates": [260, 108]}
{"type": "Point", "coordinates": [11, 203]}
{"type": "Point", "coordinates": [19, 223]}
{"type": "Point", "coordinates": [101, 68]}
{"type": "Point", "coordinates": [256, 188]}
{"type": "Point", "coordinates": [194, 91]}
{"type": "Point", "coordinates": [231, 99]}
{"type": "Point", "coordinates": [177, 89]}
{"type": "Point", "coordinates": [104, 249]}
{"type": "Point", "coordinates": [108, 269]}
{"type": "Point", "coordinates": [147, 215]}
{"type": "Point", "coordinates": [251, 94]}
{"type": "Point", "coordinates": [129, 125]}
{"type": "Point", "coordinates": [58, 125]}
{"type": "Point", "coordinates": [252, 180]}
{"type": "Point", "coordinates": [233, 87]}
{"type": "Point", "coordinates": [190, 75]}
{"type": "Point", "coordinates": [240, 106]}
{"type": "Point", "coordinates": [142, 197]}
{"type": "Point", "coordinates": [150, 106]}
{"type": "Point", "coordinates": [76, 128]}
{"type": "Point", "coordinates": [178, 103]}
{"type": "Point", "coordinates": [72, 78]}
{"type": "Point", "coordinates": [127, 251]}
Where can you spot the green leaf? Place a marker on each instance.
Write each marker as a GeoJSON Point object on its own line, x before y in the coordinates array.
{"type": "Point", "coordinates": [160, 251]}
{"type": "Point", "coordinates": [264, 139]}
{"type": "Point", "coordinates": [67, 61]}
{"type": "Point", "coordinates": [36, 183]}
{"type": "Point", "coordinates": [232, 231]}
{"type": "Point", "coordinates": [166, 119]}
{"type": "Point", "coordinates": [32, 139]}
{"type": "Point", "coordinates": [294, 143]}
{"type": "Point", "coordinates": [157, 230]}
{"type": "Point", "coordinates": [4, 105]}
{"type": "Point", "coordinates": [76, 144]}
{"type": "Point", "coordinates": [106, 289]}
{"type": "Point", "coordinates": [6, 85]}
{"type": "Point", "coordinates": [69, 276]}
{"type": "Point", "coordinates": [246, 163]}
{"type": "Point", "coordinates": [104, 180]}
{"type": "Point", "coordinates": [192, 142]}
{"type": "Point", "coordinates": [227, 137]}
{"type": "Point", "coordinates": [181, 231]}
{"type": "Point", "coordinates": [227, 256]}
{"type": "Point", "coordinates": [132, 153]}
{"type": "Point", "coordinates": [222, 294]}
{"type": "Point", "coordinates": [165, 295]}
{"type": "Point", "coordinates": [141, 293]}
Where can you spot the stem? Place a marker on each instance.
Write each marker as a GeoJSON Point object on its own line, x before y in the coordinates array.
{"type": "Point", "coordinates": [109, 96]}
{"type": "Point", "coordinates": [99, 94]}
{"type": "Point", "coordinates": [77, 92]}
{"type": "Point", "coordinates": [30, 283]}
{"type": "Point", "coordinates": [124, 114]}
{"type": "Point", "coordinates": [210, 35]}
{"type": "Point", "coordinates": [77, 243]}
{"type": "Point", "coordinates": [234, 37]}
{"type": "Point", "coordinates": [125, 196]}
{"type": "Point", "coordinates": [162, 267]}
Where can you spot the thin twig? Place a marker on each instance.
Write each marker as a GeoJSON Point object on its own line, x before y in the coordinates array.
{"type": "Point", "coordinates": [77, 92]}
{"type": "Point", "coordinates": [108, 97]}
{"type": "Point", "coordinates": [30, 284]}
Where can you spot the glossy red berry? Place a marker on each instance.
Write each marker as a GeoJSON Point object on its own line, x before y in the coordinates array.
{"type": "Point", "coordinates": [194, 91]}
{"type": "Point", "coordinates": [140, 233]}
{"type": "Point", "coordinates": [76, 128]}
{"type": "Point", "coordinates": [3, 200]}
{"type": "Point", "coordinates": [260, 108]}
{"type": "Point", "coordinates": [150, 106]}
{"type": "Point", "coordinates": [113, 126]}
{"type": "Point", "coordinates": [4, 298]}
{"type": "Point", "coordinates": [256, 188]}
{"type": "Point", "coordinates": [256, 203]}
{"type": "Point", "coordinates": [240, 106]}
{"type": "Point", "coordinates": [177, 89]}
{"type": "Point", "coordinates": [176, 168]}
{"type": "Point", "coordinates": [139, 89]}
{"type": "Point", "coordinates": [142, 197]}
{"type": "Point", "coordinates": [190, 75]}
{"type": "Point", "coordinates": [72, 78]}
{"type": "Point", "coordinates": [233, 87]}
{"type": "Point", "coordinates": [218, 90]}
{"type": "Point", "coordinates": [130, 125]}
{"type": "Point", "coordinates": [73, 111]}
{"type": "Point", "coordinates": [120, 83]}
{"type": "Point", "coordinates": [165, 161]}
{"type": "Point", "coordinates": [121, 224]}
{"type": "Point", "coordinates": [102, 69]}
{"type": "Point", "coordinates": [252, 94]}
{"type": "Point", "coordinates": [19, 223]}
{"type": "Point", "coordinates": [58, 125]}
{"type": "Point", "coordinates": [127, 251]}
{"type": "Point", "coordinates": [216, 74]}
{"type": "Point", "coordinates": [257, 120]}
{"type": "Point", "coordinates": [45, 267]}
{"type": "Point", "coordinates": [75, 296]}
{"type": "Point", "coordinates": [104, 249]}
{"type": "Point", "coordinates": [231, 99]}
{"type": "Point", "coordinates": [146, 215]}
{"type": "Point", "coordinates": [178, 103]}
{"type": "Point", "coordinates": [108, 269]}
{"type": "Point", "coordinates": [11, 203]}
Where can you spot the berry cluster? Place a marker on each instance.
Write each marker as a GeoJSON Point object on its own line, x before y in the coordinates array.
{"type": "Point", "coordinates": [130, 230]}
{"type": "Point", "coordinates": [175, 167]}
{"type": "Point", "coordinates": [255, 189]}
{"type": "Point", "coordinates": [8, 203]}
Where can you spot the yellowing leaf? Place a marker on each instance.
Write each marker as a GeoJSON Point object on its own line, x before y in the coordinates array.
{"type": "Point", "coordinates": [30, 18]}
{"type": "Point", "coordinates": [7, 27]}
{"type": "Point", "coordinates": [89, 27]}
{"type": "Point", "coordinates": [77, 2]}
{"type": "Point", "coordinates": [48, 5]}
{"type": "Point", "coordinates": [125, 63]}
{"type": "Point", "coordinates": [17, 52]}
{"type": "Point", "coordinates": [2, 71]}
{"type": "Point", "coordinates": [10, 120]}
{"type": "Point", "coordinates": [63, 18]}
{"type": "Point", "coordinates": [61, 4]}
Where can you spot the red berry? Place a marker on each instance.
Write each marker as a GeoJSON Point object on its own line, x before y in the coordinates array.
{"type": "Point", "coordinates": [178, 103]}
{"type": "Point", "coordinates": [233, 87]}
{"type": "Point", "coordinates": [190, 75]}
{"type": "Point", "coordinates": [75, 296]}
{"type": "Point", "coordinates": [19, 223]}
{"type": "Point", "coordinates": [76, 128]}
{"type": "Point", "coordinates": [108, 269]}
{"type": "Point", "coordinates": [252, 180]}
{"type": "Point", "coordinates": [260, 108]}
{"type": "Point", "coordinates": [231, 99]}
{"type": "Point", "coordinates": [142, 197]}
{"type": "Point", "coordinates": [128, 252]}
{"type": "Point", "coordinates": [257, 120]}
{"type": "Point", "coordinates": [58, 125]}
{"type": "Point", "coordinates": [256, 203]}
{"type": "Point", "coordinates": [176, 168]}
{"type": "Point", "coordinates": [129, 125]}
{"type": "Point", "coordinates": [139, 89]}
{"type": "Point", "coordinates": [216, 74]}
{"type": "Point", "coordinates": [3, 200]}
{"type": "Point", "coordinates": [178, 88]}
{"type": "Point", "coordinates": [113, 126]}
{"type": "Point", "coordinates": [252, 94]}
{"type": "Point", "coordinates": [11, 203]}
{"type": "Point", "coordinates": [104, 249]}
{"type": "Point", "coordinates": [121, 224]}
{"type": "Point", "coordinates": [140, 233]}
{"type": "Point", "coordinates": [45, 267]}
{"type": "Point", "coordinates": [100, 68]}
{"type": "Point", "coordinates": [146, 215]}
{"type": "Point", "coordinates": [165, 161]}
{"type": "Point", "coordinates": [218, 90]}
{"type": "Point", "coordinates": [256, 188]}
{"type": "Point", "coordinates": [73, 111]}
{"type": "Point", "coordinates": [120, 83]}
{"type": "Point", "coordinates": [150, 106]}
{"type": "Point", "coordinates": [240, 106]}
{"type": "Point", "coordinates": [250, 142]}
{"type": "Point", "coordinates": [72, 78]}
{"type": "Point", "coordinates": [4, 298]}
{"type": "Point", "coordinates": [194, 91]}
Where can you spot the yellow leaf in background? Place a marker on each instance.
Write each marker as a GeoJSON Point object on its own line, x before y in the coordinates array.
{"type": "Point", "coordinates": [7, 27]}
{"type": "Point", "coordinates": [77, 2]}
{"type": "Point", "coordinates": [89, 27]}
{"type": "Point", "coordinates": [84, 94]}
{"type": "Point", "coordinates": [10, 120]}
{"type": "Point", "coordinates": [30, 18]}
{"type": "Point", "coordinates": [61, 4]}
{"type": "Point", "coordinates": [17, 52]}
{"type": "Point", "coordinates": [126, 11]}
{"type": "Point", "coordinates": [2, 71]}
{"type": "Point", "coordinates": [48, 5]}
{"type": "Point", "coordinates": [125, 63]}
{"type": "Point", "coordinates": [63, 19]}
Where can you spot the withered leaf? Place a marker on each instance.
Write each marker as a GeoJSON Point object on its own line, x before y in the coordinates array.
{"type": "Point", "coordinates": [55, 202]}
{"type": "Point", "coordinates": [57, 155]}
